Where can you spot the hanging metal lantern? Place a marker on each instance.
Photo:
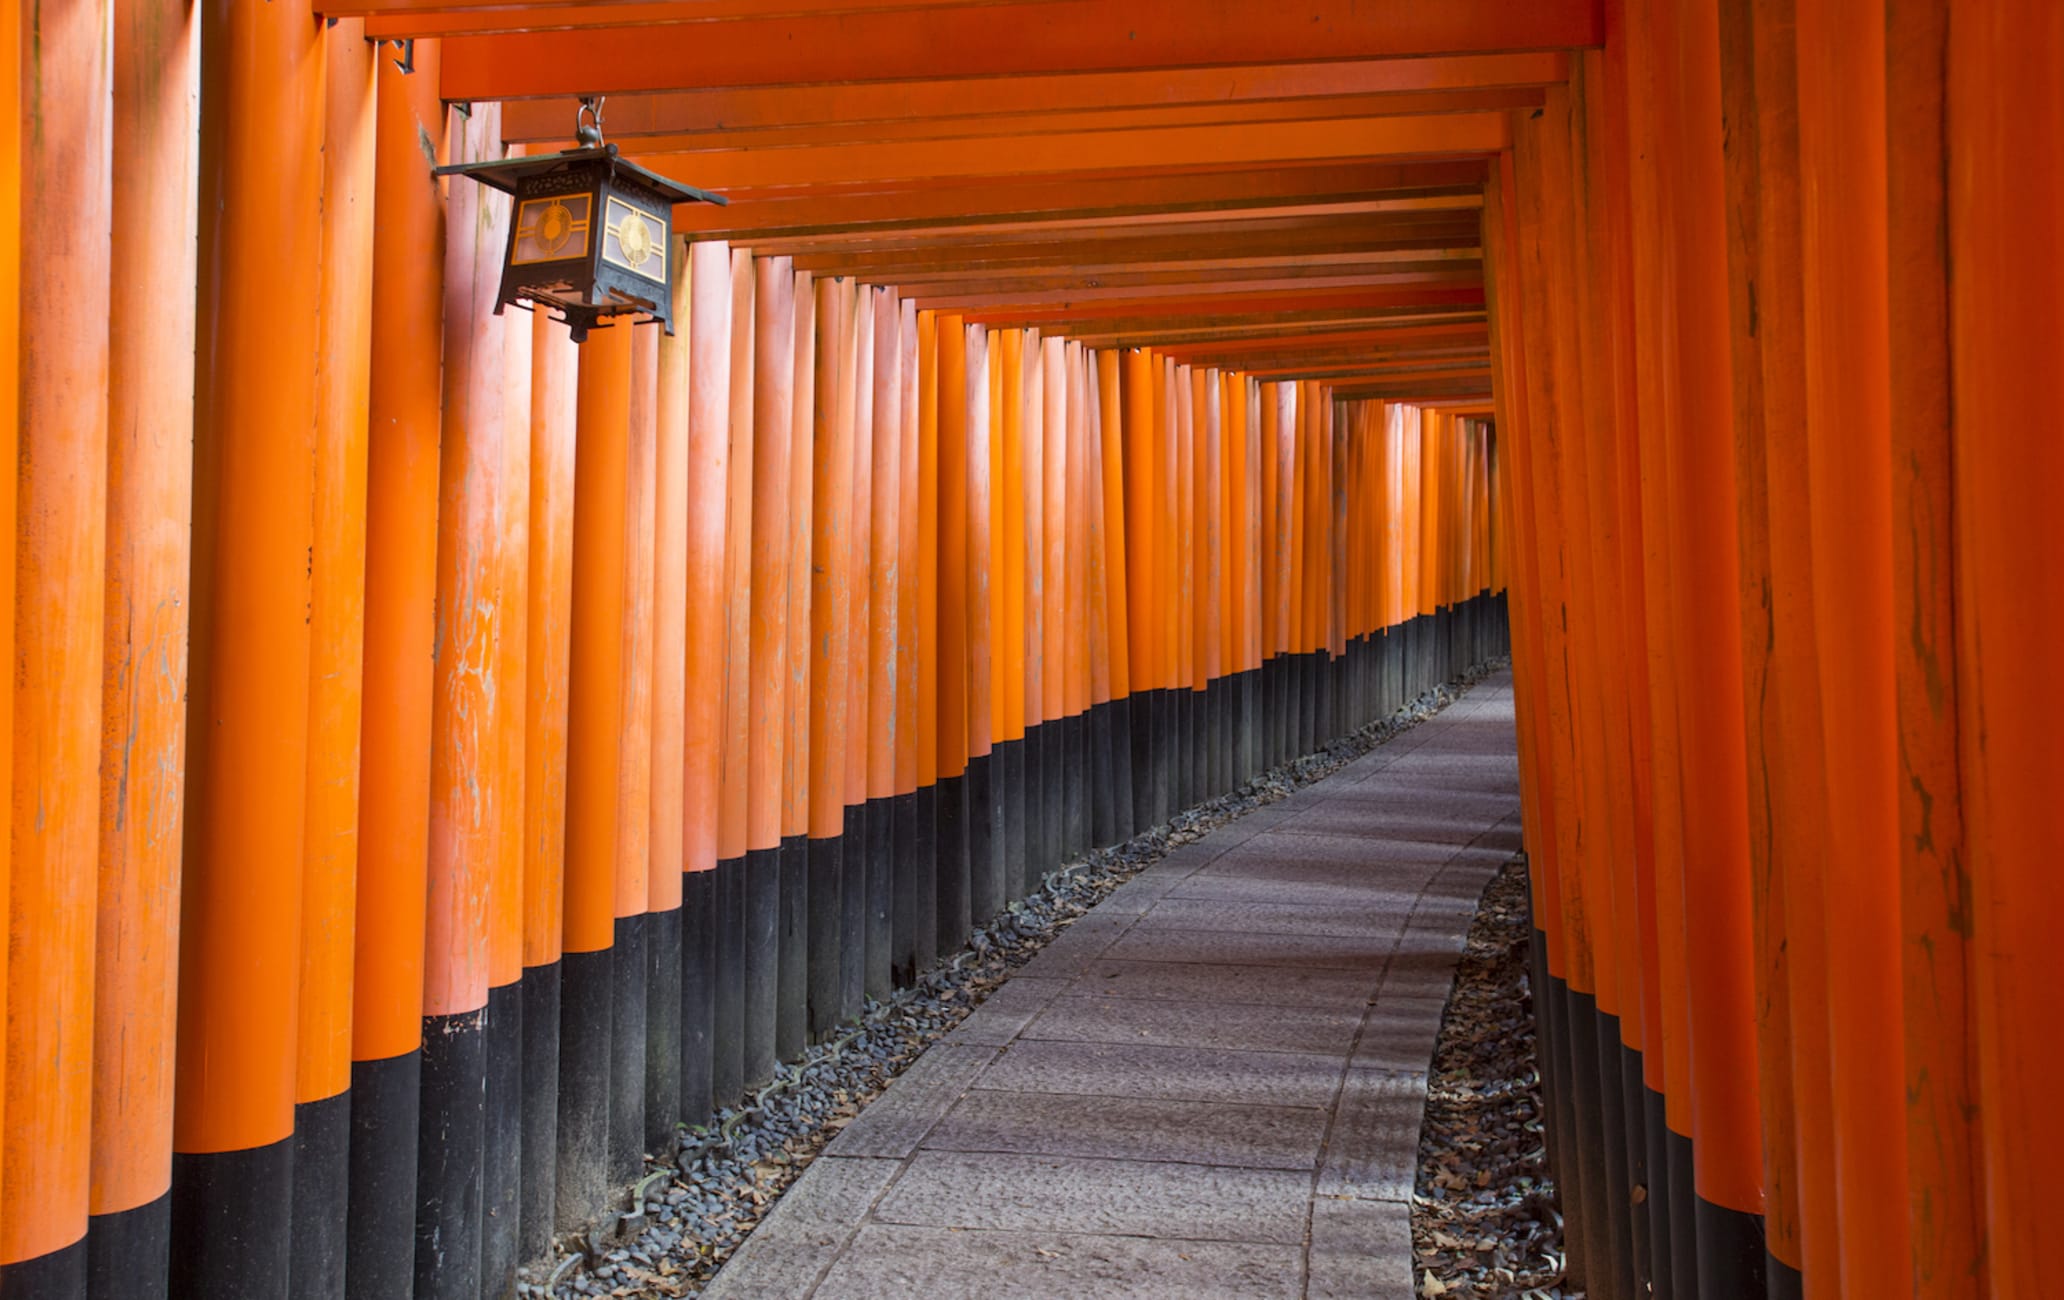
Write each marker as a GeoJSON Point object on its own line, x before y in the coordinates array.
{"type": "Point", "coordinates": [592, 231]}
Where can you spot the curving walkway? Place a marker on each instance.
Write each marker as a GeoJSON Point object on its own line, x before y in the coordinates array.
{"type": "Point", "coordinates": [1208, 1086]}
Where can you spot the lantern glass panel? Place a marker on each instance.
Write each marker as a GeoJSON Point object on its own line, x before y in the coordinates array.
{"type": "Point", "coordinates": [635, 238]}
{"type": "Point", "coordinates": [553, 229]}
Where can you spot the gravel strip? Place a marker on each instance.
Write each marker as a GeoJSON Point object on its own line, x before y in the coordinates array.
{"type": "Point", "coordinates": [690, 1214]}
{"type": "Point", "coordinates": [1484, 1221]}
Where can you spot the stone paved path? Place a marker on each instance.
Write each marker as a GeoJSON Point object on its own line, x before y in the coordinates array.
{"type": "Point", "coordinates": [1208, 1086]}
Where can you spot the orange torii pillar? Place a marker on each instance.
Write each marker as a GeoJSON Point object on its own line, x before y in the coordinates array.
{"type": "Point", "coordinates": [773, 376]}
{"type": "Point", "coordinates": [878, 411]}
{"type": "Point", "coordinates": [1029, 405]}
{"type": "Point", "coordinates": [255, 420]}
{"type": "Point", "coordinates": [143, 710]}
{"type": "Point", "coordinates": [633, 843]}
{"type": "Point", "coordinates": [405, 413]}
{"type": "Point", "coordinates": [708, 292]}
{"type": "Point", "coordinates": [951, 862]}
{"type": "Point", "coordinates": [986, 890]}
{"type": "Point", "coordinates": [594, 757]}
{"type": "Point", "coordinates": [1007, 602]}
{"type": "Point", "coordinates": [1110, 684]}
{"type": "Point", "coordinates": [854, 765]}
{"type": "Point", "coordinates": [665, 890]}
{"type": "Point", "coordinates": [60, 485]}
{"type": "Point", "coordinates": [905, 821]}
{"type": "Point", "coordinates": [474, 802]}
{"type": "Point", "coordinates": [792, 972]}
{"type": "Point", "coordinates": [831, 551]}
{"type": "Point", "coordinates": [1134, 438]}
{"type": "Point", "coordinates": [554, 376]}
{"type": "Point", "coordinates": [322, 1124]}
{"type": "Point", "coordinates": [922, 464]}
{"type": "Point", "coordinates": [1074, 625]}
{"type": "Point", "coordinates": [727, 1041]}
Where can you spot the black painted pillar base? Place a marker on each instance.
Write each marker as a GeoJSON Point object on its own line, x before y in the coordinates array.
{"type": "Point", "coordinates": [727, 1033]}
{"type": "Point", "coordinates": [322, 1183]}
{"type": "Point", "coordinates": [1103, 798]}
{"type": "Point", "coordinates": [587, 998]}
{"type": "Point", "coordinates": [1007, 766]}
{"type": "Point", "coordinates": [698, 994]}
{"type": "Point", "coordinates": [853, 909]}
{"type": "Point", "coordinates": [501, 1170]}
{"type": "Point", "coordinates": [881, 894]}
{"type": "Point", "coordinates": [826, 942]}
{"type": "Point", "coordinates": [950, 920]}
{"type": "Point", "coordinates": [222, 1202]}
{"type": "Point", "coordinates": [1124, 805]}
{"type": "Point", "coordinates": [449, 1156]}
{"type": "Point", "coordinates": [663, 938]}
{"type": "Point", "coordinates": [792, 967]}
{"type": "Point", "coordinates": [627, 1051]}
{"type": "Point", "coordinates": [540, 1110]}
{"type": "Point", "coordinates": [904, 886]}
{"type": "Point", "coordinates": [129, 1251]}
{"type": "Point", "coordinates": [985, 835]}
{"type": "Point", "coordinates": [380, 1225]}
{"type": "Point", "coordinates": [924, 864]}
{"type": "Point", "coordinates": [762, 950]}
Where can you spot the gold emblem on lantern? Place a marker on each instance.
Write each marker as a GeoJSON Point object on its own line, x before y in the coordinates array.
{"type": "Point", "coordinates": [636, 240]}
{"type": "Point", "coordinates": [552, 229]}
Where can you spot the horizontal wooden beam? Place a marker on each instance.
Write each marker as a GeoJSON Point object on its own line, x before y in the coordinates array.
{"type": "Point", "coordinates": [1165, 333]}
{"type": "Point", "coordinates": [979, 296]}
{"type": "Point", "coordinates": [1000, 41]}
{"type": "Point", "coordinates": [990, 126]}
{"type": "Point", "coordinates": [1103, 261]}
{"type": "Point", "coordinates": [421, 18]}
{"type": "Point", "coordinates": [1163, 150]}
{"type": "Point", "coordinates": [1023, 203]}
{"type": "Point", "coordinates": [941, 104]}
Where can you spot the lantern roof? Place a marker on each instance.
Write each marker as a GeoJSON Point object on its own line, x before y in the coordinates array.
{"type": "Point", "coordinates": [505, 173]}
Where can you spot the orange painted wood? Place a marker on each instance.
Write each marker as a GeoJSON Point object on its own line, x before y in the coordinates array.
{"type": "Point", "coordinates": [2005, 139]}
{"type": "Point", "coordinates": [336, 671]}
{"type": "Point", "coordinates": [633, 894]}
{"type": "Point", "coordinates": [247, 704]}
{"type": "Point", "coordinates": [594, 743]}
{"type": "Point", "coordinates": [773, 380]}
{"type": "Point", "coordinates": [670, 506]}
{"type": "Point", "coordinates": [60, 543]}
{"type": "Point", "coordinates": [708, 540]}
{"type": "Point", "coordinates": [1065, 36]}
{"type": "Point", "coordinates": [734, 781]}
{"type": "Point", "coordinates": [925, 483]}
{"type": "Point", "coordinates": [548, 627]}
{"type": "Point", "coordinates": [404, 396]}
{"type": "Point", "coordinates": [795, 758]}
{"type": "Point", "coordinates": [832, 562]}
{"type": "Point", "coordinates": [470, 698]}
{"type": "Point", "coordinates": [149, 513]}
{"type": "Point", "coordinates": [955, 659]}
{"type": "Point", "coordinates": [1111, 441]}
{"type": "Point", "coordinates": [1104, 93]}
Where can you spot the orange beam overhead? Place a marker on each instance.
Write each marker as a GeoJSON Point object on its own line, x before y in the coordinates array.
{"type": "Point", "coordinates": [948, 100]}
{"type": "Point", "coordinates": [1015, 203]}
{"type": "Point", "coordinates": [1354, 108]}
{"type": "Point", "coordinates": [998, 41]}
{"type": "Point", "coordinates": [414, 18]}
{"type": "Point", "coordinates": [1161, 149]}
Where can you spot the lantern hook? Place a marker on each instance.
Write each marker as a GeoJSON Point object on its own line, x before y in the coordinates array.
{"type": "Point", "coordinates": [587, 130]}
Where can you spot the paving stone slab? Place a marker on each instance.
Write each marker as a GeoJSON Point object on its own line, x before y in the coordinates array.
{"type": "Point", "coordinates": [1373, 1151]}
{"type": "Point", "coordinates": [1398, 1033]}
{"type": "Point", "coordinates": [1360, 1250]}
{"type": "Point", "coordinates": [1129, 1128]}
{"type": "Point", "coordinates": [786, 1255]}
{"type": "Point", "coordinates": [1276, 918]}
{"type": "Point", "coordinates": [1005, 1012]}
{"type": "Point", "coordinates": [1206, 982]}
{"type": "Point", "coordinates": [896, 1262]}
{"type": "Point", "coordinates": [1169, 1073]}
{"type": "Point", "coordinates": [963, 1189]}
{"type": "Point", "coordinates": [1104, 1018]}
{"type": "Point", "coordinates": [1077, 946]}
{"type": "Point", "coordinates": [1344, 952]}
{"type": "Point", "coordinates": [894, 1123]}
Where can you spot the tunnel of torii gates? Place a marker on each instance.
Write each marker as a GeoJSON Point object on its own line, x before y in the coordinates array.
{"type": "Point", "coordinates": [446, 758]}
